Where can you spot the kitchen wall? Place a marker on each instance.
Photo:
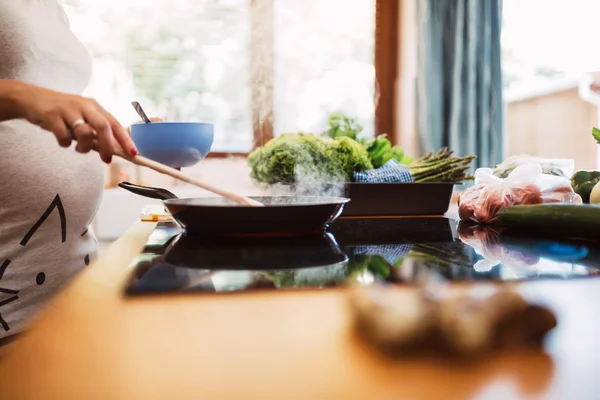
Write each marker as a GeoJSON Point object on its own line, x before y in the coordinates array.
{"type": "Point", "coordinates": [556, 124]}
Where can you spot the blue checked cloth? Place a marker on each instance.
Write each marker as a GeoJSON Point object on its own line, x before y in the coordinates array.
{"type": "Point", "coordinates": [391, 253]}
{"type": "Point", "coordinates": [391, 172]}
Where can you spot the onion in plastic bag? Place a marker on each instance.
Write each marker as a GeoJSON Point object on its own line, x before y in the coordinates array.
{"type": "Point", "coordinates": [526, 184]}
{"type": "Point", "coordinates": [558, 167]}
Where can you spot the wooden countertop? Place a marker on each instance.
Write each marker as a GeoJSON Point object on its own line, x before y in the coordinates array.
{"type": "Point", "coordinates": [92, 343]}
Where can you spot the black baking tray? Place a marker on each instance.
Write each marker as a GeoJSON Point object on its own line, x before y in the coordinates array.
{"type": "Point", "coordinates": [396, 199]}
{"type": "Point", "coordinates": [373, 231]}
{"type": "Point", "coordinates": [383, 199]}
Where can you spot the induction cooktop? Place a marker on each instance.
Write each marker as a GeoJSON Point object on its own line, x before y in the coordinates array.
{"type": "Point", "coordinates": [395, 251]}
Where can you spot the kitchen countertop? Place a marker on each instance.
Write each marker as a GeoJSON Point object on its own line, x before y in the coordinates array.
{"type": "Point", "coordinates": [92, 342]}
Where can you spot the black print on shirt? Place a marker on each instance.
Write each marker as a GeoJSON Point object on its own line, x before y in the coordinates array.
{"type": "Point", "coordinates": [14, 293]}
{"type": "Point", "coordinates": [40, 278]}
{"type": "Point", "coordinates": [56, 203]}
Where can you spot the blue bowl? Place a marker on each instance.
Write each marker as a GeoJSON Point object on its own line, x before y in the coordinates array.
{"type": "Point", "coordinates": [176, 144]}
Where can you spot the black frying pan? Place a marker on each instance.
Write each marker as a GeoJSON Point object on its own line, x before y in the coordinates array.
{"type": "Point", "coordinates": [247, 253]}
{"type": "Point", "coordinates": [282, 215]}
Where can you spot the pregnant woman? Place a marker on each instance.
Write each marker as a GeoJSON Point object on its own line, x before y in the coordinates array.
{"type": "Point", "coordinates": [49, 192]}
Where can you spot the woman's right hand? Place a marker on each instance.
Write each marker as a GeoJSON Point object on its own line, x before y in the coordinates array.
{"type": "Point", "coordinates": [71, 117]}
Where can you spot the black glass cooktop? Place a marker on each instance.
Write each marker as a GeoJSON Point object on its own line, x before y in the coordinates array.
{"type": "Point", "coordinates": [354, 251]}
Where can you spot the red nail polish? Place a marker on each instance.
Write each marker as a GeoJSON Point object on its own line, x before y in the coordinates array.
{"type": "Point", "coordinates": [134, 152]}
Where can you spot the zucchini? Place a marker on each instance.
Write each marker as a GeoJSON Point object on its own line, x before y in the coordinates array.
{"type": "Point", "coordinates": [559, 218]}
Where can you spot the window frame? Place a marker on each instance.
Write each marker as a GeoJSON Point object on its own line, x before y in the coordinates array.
{"type": "Point", "coordinates": [386, 66]}
{"type": "Point", "coordinates": [262, 69]}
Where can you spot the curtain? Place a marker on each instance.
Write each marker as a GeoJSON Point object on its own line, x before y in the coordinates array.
{"type": "Point", "coordinates": [459, 78]}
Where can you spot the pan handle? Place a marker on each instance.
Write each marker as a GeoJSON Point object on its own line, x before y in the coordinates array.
{"type": "Point", "coordinates": [147, 191]}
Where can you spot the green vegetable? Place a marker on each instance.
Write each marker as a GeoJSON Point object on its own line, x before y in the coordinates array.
{"type": "Point", "coordinates": [290, 158]}
{"type": "Point", "coordinates": [330, 275]}
{"type": "Point", "coordinates": [375, 264]}
{"type": "Point", "coordinates": [377, 149]}
{"type": "Point", "coordinates": [339, 152]}
{"type": "Point", "coordinates": [406, 160]}
{"type": "Point", "coordinates": [379, 266]}
{"type": "Point", "coordinates": [441, 167]}
{"type": "Point", "coordinates": [596, 134]}
{"type": "Point", "coordinates": [557, 218]}
{"type": "Point", "coordinates": [347, 157]}
{"type": "Point", "coordinates": [583, 182]}
{"type": "Point", "coordinates": [398, 154]}
{"type": "Point", "coordinates": [342, 126]}
{"type": "Point", "coordinates": [380, 149]}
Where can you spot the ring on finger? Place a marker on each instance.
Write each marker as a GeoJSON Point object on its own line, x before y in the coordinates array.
{"type": "Point", "coordinates": [75, 125]}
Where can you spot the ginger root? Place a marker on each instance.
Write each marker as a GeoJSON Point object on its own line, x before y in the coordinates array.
{"type": "Point", "coordinates": [457, 322]}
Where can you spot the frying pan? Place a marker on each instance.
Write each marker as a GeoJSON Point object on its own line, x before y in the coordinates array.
{"type": "Point", "coordinates": [186, 264]}
{"type": "Point", "coordinates": [282, 215]}
{"type": "Point", "coordinates": [248, 253]}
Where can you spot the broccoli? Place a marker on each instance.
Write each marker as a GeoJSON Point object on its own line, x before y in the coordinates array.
{"type": "Point", "coordinates": [329, 275]}
{"type": "Point", "coordinates": [291, 158]}
{"type": "Point", "coordinates": [349, 156]}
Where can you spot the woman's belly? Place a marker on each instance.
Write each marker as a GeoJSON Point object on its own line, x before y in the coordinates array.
{"type": "Point", "coordinates": [49, 198]}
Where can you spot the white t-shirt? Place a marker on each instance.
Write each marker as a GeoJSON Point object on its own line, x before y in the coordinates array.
{"type": "Point", "coordinates": [48, 194]}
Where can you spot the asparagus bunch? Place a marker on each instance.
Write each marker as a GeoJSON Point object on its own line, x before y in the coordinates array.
{"type": "Point", "coordinates": [441, 167]}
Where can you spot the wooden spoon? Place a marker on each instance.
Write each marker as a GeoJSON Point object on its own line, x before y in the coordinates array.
{"type": "Point", "coordinates": [172, 172]}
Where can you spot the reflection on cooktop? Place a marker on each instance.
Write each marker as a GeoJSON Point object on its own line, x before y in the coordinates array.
{"type": "Point", "coordinates": [354, 251]}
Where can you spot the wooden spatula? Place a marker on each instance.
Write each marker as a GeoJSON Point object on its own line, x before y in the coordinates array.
{"type": "Point", "coordinates": [172, 172]}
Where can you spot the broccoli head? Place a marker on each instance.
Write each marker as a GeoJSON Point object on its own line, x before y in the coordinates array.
{"type": "Point", "coordinates": [349, 156]}
{"type": "Point", "coordinates": [292, 158]}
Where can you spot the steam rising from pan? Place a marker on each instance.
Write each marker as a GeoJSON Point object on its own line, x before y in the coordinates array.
{"type": "Point", "coordinates": [273, 201]}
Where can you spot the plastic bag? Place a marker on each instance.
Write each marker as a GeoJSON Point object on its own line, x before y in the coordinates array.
{"type": "Point", "coordinates": [524, 258]}
{"type": "Point", "coordinates": [526, 184]}
{"type": "Point", "coordinates": [559, 167]}
{"type": "Point", "coordinates": [485, 241]}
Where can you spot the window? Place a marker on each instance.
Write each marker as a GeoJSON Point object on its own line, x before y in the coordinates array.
{"type": "Point", "coordinates": [324, 62]}
{"type": "Point", "coordinates": [548, 46]}
{"type": "Point", "coordinates": [198, 60]}
{"type": "Point", "coordinates": [547, 41]}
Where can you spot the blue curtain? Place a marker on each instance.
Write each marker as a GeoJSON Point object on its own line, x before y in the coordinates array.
{"type": "Point", "coordinates": [460, 78]}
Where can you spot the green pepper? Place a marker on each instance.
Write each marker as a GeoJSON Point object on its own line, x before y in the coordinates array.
{"type": "Point", "coordinates": [387, 157]}
{"type": "Point", "coordinates": [583, 182]}
{"type": "Point", "coordinates": [406, 160]}
{"type": "Point", "coordinates": [378, 266]}
{"type": "Point", "coordinates": [397, 153]}
{"type": "Point", "coordinates": [378, 149]}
